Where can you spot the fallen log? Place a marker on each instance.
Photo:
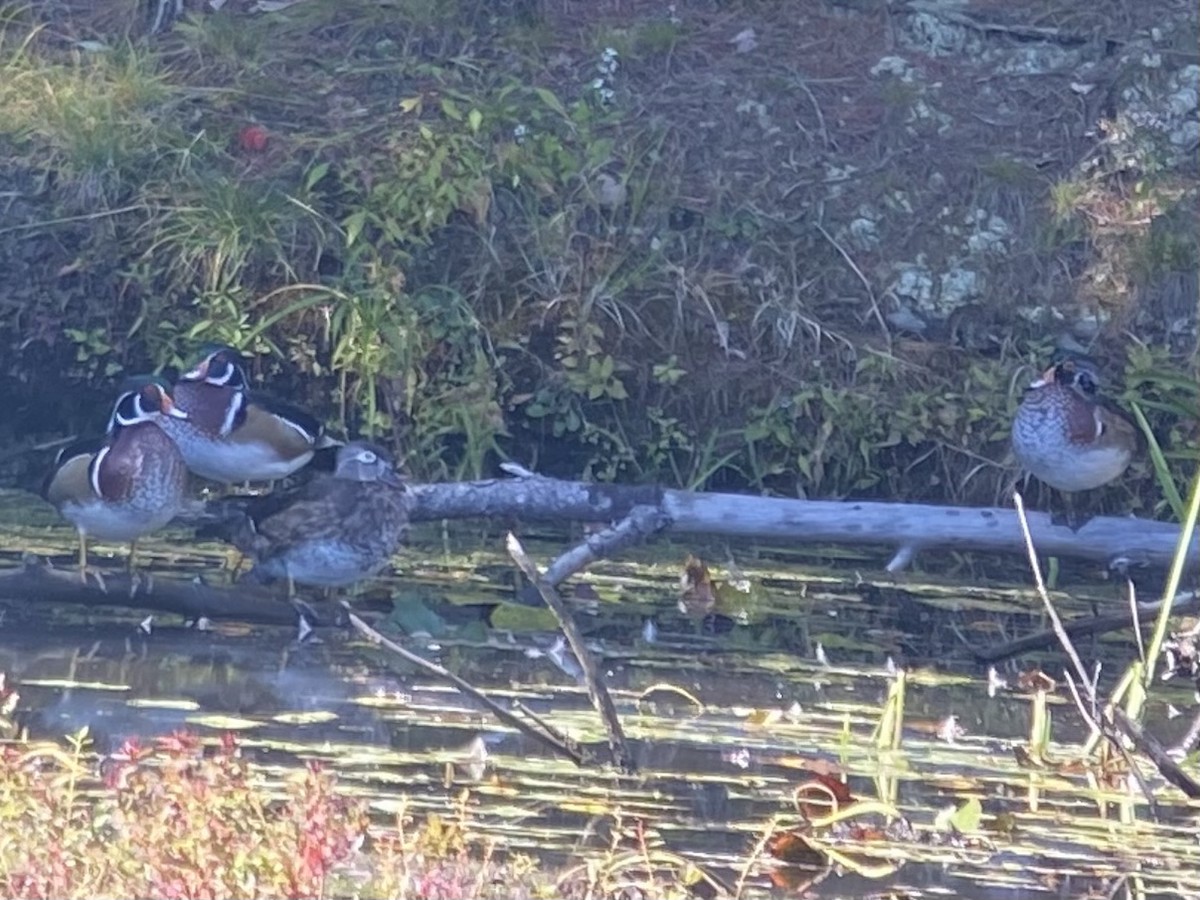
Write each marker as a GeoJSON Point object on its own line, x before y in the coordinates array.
{"type": "Point", "coordinates": [635, 513]}
{"type": "Point", "coordinates": [193, 599]}
{"type": "Point", "coordinates": [906, 528]}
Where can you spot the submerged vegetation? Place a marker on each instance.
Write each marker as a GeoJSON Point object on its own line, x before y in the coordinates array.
{"type": "Point", "coordinates": [616, 245]}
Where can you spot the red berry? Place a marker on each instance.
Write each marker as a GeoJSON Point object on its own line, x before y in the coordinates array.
{"type": "Point", "coordinates": [252, 139]}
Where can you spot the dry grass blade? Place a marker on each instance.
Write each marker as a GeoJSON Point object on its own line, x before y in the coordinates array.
{"type": "Point", "coordinates": [1040, 583]}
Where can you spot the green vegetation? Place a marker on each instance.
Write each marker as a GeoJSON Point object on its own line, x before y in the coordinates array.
{"type": "Point", "coordinates": [483, 230]}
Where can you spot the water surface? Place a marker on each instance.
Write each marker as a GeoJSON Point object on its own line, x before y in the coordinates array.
{"type": "Point", "coordinates": [713, 779]}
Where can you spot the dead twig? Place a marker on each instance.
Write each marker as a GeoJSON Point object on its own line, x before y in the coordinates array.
{"type": "Point", "coordinates": [1103, 724]}
{"type": "Point", "coordinates": [875, 311]}
{"type": "Point", "coordinates": [1148, 744]}
{"type": "Point", "coordinates": [1063, 638]}
{"type": "Point", "coordinates": [1021, 32]}
{"type": "Point", "coordinates": [597, 692]}
{"type": "Point", "coordinates": [541, 731]}
{"type": "Point", "coordinates": [641, 523]}
{"type": "Point", "coordinates": [1186, 602]}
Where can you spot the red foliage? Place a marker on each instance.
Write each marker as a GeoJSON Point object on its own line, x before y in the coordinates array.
{"type": "Point", "coordinates": [170, 822]}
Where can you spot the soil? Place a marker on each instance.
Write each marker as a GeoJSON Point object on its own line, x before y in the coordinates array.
{"type": "Point", "coordinates": [932, 182]}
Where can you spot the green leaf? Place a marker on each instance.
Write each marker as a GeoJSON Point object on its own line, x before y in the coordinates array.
{"type": "Point", "coordinates": [315, 174]}
{"type": "Point", "coordinates": [450, 110]}
{"type": "Point", "coordinates": [474, 120]}
{"type": "Point", "coordinates": [548, 97]}
{"type": "Point", "coordinates": [964, 820]}
{"type": "Point", "coordinates": [413, 613]}
{"type": "Point", "coordinates": [514, 617]}
{"type": "Point", "coordinates": [1162, 472]}
{"type": "Point", "coordinates": [354, 225]}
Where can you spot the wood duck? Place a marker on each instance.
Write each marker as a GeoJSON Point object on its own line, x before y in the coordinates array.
{"type": "Point", "coordinates": [230, 436]}
{"type": "Point", "coordinates": [1065, 435]}
{"type": "Point", "coordinates": [334, 530]}
{"type": "Point", "coordinates": [131, 482]}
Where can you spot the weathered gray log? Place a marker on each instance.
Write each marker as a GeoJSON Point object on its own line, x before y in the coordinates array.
{"type": "Point", "coordinates": [905, 528]}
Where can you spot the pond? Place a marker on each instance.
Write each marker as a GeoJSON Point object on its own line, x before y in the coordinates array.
{"type": "Point", "coordinates": [728, 716]}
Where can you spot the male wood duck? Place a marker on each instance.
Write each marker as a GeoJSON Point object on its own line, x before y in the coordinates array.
{"type": "Point", "coordinates": [131, 482]}
{"type": "Point", "coordinates": [1066, 435]}
{"type": "Point", "coordinates": [231, 436]}
{"type": "Point", "coordinates": [332, 531]}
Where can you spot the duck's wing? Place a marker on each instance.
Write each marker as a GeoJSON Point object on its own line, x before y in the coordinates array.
{"type": "Point", "coordinates": [327, 507]}
{"type": "Point", "coordinates": [67, 463]}
{"type": "Point", "coordinates": [240, 520]}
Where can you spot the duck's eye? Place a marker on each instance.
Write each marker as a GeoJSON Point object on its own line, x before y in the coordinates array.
{"type": "Point", "coordinates": [367, 457]}
{"type": "Point", "coordinates": [1086, 383]}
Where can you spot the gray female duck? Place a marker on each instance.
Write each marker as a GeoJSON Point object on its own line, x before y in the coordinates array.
{"type": "Point", "coordinates": [332, 531]}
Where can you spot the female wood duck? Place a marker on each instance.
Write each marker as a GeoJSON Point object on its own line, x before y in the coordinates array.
{"type": "Point", "coordinates": [1066, 435]}
{"type": "Point", "coordinates": [130, 483]}
{"type": "Point", "coordinates": [231, 437]}
{"type": "Point", "coordinates": [334, 530]}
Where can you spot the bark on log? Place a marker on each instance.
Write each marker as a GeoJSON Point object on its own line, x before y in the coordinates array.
{"type": "Point", "coordinates": [906, 528]}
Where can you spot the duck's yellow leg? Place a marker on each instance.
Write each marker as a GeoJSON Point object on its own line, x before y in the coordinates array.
{"type": "Point", "coordinates": [83, 557]}
{"type": "Point", "coordinates": [84, 569]}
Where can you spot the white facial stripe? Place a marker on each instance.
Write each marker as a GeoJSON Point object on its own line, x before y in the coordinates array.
{"type": "Point", "coordinates": [139, 414]}
{"type": "Point", "coordinates": [224, 379]}
{"type": "Point", "coordinates": [1099, 422]}
{"type": "Point", "coordinates": [235, 407]}
{"type": "Point", "coordinates": [115, 418]}
{"type": "Point", "coordinates": [297, 428]}
{"type": "Point", "coordinates": [94, 471]}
